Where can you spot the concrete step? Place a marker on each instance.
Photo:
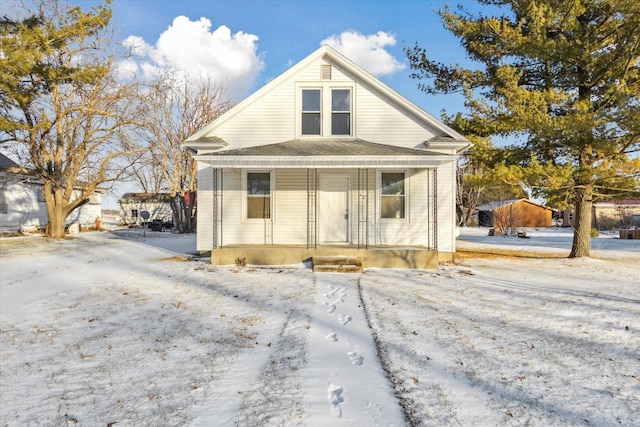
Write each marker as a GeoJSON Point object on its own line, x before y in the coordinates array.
{"type": "Point", "coordinates": [336, 264]}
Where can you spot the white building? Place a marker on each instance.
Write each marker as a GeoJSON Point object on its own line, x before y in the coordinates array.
{"type": "Point", "coordinates": [22, 205]}
{"type": "Point", "coordinates": [326, 159]}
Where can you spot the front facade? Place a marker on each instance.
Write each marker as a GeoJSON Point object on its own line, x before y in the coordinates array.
{"type": "Point", "coordinates": [326, 156]}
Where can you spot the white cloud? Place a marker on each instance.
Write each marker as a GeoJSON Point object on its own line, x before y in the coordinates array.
{"type": "Point", "coordinates": [229, 60]}
{"type": "Point", "coordinates": [367, 51]}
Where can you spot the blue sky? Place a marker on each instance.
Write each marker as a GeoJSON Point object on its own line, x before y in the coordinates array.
{"type": "Point", "coordinates": [247, 43]}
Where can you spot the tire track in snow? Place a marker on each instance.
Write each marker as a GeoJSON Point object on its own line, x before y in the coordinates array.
{"type": "Point", "coordinates": [277, 397]}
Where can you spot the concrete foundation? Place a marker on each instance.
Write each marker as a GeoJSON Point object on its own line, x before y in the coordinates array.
{"type": "Point", "coordinates": [380, 257]}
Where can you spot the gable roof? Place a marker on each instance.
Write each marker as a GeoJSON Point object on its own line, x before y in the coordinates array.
{"type": "Point", "coordinates": [145, 198]}
{"type": "Point", "coordinates": [452, 138]}
{"type": "Point", "coordinates": [324, 154]}
{"type": "Point", "coordinates": [306, 147]}
{"type": "Point", "coordinates": [7, 163]}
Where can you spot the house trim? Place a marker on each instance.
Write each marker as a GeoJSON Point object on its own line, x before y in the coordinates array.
{"type": "Point", "coordinates": [324, 162]}
{"type": "Point", "coordinates": [407, 193]}
{"type": "Point", "coordinates": [272, 196]}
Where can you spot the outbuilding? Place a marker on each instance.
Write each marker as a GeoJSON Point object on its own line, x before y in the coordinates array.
{"type": "Point", "coordinates": [506, 216]}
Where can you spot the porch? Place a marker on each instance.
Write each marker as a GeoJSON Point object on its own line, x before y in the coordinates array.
{"type": "Point", "coordinates": [402, 257]}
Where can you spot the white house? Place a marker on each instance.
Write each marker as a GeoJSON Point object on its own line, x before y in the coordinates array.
{"type": "Point", "coordinates": [327, 160]}
{"type": "Point", "coordinates": [158, 205]}
{"type": "Point", "coordinates": [22, 205]}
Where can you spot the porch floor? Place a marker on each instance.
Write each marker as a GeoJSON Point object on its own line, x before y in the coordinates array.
{"type": "Point", "coordinates": [403, 257]}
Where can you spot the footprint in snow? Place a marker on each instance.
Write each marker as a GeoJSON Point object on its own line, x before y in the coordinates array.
{"type": "Point", "coordinates": [332, 337]}
{"type": "Point", "coordinates": [335, 399]}
{"type": "Point", "coordinates": [334, 290]}
{"type": "Point", "coordinates": [356, 359]}
{"type": "Point", "coordinates": [344, 319]}
{"type": "Point", "coordinates": [332, 305]}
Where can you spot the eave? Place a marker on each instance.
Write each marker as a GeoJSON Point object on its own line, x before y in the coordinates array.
{"type": "Point", "coordinates": [324, 162]}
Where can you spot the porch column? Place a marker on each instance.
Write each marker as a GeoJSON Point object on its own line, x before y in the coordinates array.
{"type": "Point", "coordinates": [217, 208]}
{"type": "Point", "coordinates": [363, 208]}
{"type": "Point", "coordinates": [312, 208]}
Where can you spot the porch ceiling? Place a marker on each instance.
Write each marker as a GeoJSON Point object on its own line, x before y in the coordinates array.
{"type": "Point", "coordinates": [325, 154]}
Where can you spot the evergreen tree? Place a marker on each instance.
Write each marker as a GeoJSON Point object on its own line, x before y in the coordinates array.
{"type": "Point", "coordinates": [60, 103]}
{"type": "Point", "coordinates": [564, 77]}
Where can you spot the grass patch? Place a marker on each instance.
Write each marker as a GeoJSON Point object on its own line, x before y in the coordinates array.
{"type": "Point", "coordinates": [467, 253]}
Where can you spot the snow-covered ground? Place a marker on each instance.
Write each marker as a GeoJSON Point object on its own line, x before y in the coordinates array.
{"type": "Point", "coordinates": [127, 329]}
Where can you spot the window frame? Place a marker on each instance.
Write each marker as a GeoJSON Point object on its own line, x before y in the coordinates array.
{"type": "Point", "coordinates": [406, 182]}
{"type": "Point", "coordinates": [349, 112]}
{"type": "Point", "coordinates": [326, 108]}
{"type": "Point", "coordinates": [245, 195]}
{"type": "Point", "coordinates": [303, 111]}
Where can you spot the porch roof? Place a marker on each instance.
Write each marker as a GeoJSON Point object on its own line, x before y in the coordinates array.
{"type": "Point", "coordinates": [315, 153]}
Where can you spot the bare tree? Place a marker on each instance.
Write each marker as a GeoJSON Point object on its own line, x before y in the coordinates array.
{"type": "Point", "coordinates": [62, 106]}
{"type": "Point", "coordinates": [507, 219]}
{"type": "Point", "coordinates": [176, 108]}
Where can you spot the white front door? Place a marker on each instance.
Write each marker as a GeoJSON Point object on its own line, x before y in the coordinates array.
{"type": "Point", "coordinates": [333, 209]}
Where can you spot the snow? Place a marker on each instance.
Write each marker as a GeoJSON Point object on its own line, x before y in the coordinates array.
{"type": "Point", "coordinates": [124, 328]}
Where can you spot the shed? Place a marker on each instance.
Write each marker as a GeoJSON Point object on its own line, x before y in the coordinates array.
{"type": "Point", "coordinates": [157, 204]}
{"type": "Point", "coordinates": [506, 216]}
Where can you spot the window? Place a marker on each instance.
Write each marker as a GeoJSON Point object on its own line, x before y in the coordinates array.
{"type": "Point", "coordinates": [325, 109]}
{"type": "Point", "coordinates": [392, 195]}
{"type": "Point", "coordinates": [341, 112]}
{"type": "Point", "coordinates": [258, 195]}
{"type": "Point", "coordinates": [4, 206]}
{"type": "Point", "coordinates": [40, 194]}
{"type": "Point", "coordinates": [311, 105]}
{"type": "Point", "coordinates": [134, 214]}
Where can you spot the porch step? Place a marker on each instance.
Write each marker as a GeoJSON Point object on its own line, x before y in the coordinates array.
{"type": "Point", "coordinates": [336, 264]}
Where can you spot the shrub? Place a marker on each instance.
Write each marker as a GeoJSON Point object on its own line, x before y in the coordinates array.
{"type": "Point", "coordinates": [594, 232]}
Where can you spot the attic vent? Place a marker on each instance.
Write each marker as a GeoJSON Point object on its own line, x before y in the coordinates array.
{"type": "Point", "coordinates": [326, 72]}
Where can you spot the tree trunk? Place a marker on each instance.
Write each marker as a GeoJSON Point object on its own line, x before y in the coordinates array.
{"type": "Point", "coordinates": [183, 212]}
{"type": "Point", "coordinates": [582, 231]}
{"type": "Point", "coordinates": [55, 213]}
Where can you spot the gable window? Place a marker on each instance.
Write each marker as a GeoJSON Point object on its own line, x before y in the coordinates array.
{"type": "Point", "coordinates": [392, 195]}
{"type": "Point", "coordinates": [340, 112]}
{"type": "Point", "coordinates": [311, 107]}
{"type": "Point", "coordinates": [258, 195]}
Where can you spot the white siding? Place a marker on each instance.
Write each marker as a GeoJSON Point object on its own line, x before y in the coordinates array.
{"type": "Point", "coordinates": [157, 211]}
{"type": "Point", "coordinates": [290, 226]}
{"type": "Point", "coordinates": [414, 229]}
{"type": "Point", "coordinates": [26, 209]}
{"type": "Point", "coordinates": [290, 212]}
{"type": "Point", "coordinates": [379, 121]}
{"type": "Point", "coordinates": [204, 210]}
{"type": "Point", "coordinates": [272, 117]}
{"type": "Point", "coordinates": [86, 214]}
{"type": "Point", "coordinates": [23, 209]}
{"type": "Point", "coordinates": [446, 207]}
{"type": "Point", "coordinates": [269, 120]}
